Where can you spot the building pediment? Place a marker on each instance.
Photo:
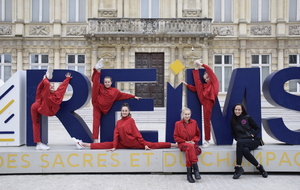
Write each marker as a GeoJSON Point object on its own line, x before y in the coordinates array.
{"type": "Point", "coordinates": [192, 55]}
{"type": "Point", "coordinates": [106, 55]}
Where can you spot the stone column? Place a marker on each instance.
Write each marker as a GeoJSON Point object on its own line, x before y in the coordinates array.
{"type": "Point", "coordinates": [118, 58]}
{"type": "Point", "coordinates": [242, 20]}
{"type": "Point", "coordinates": [205, 52]}
{"type": "Point", "coordinates": [241, 9]}
{"type": "Point", "coordinates": [56, 58]}
{"type": "Point", "coordinates": [179, 8]}
{"type": "Point", "coordinates": [280, 58]}
{"type": "Point", "coordinates": [94, 56]}
{"type": "Point", "coordinates": [281, 24]}
{"type": "Point", "coordinates": [57, 18]}
{"type": "Point", "coordinates": [19, 58]}
{"type": "Point", "coordinates": [180, 58]}
{"type": "Point", "coordinates": [95, 7]}
{"type": "Point", "coordinates": [120, 9]}
{"type": "Point", "coordinates": [205, 9]}
{"type": "Point", "coordinates": [19, 24]}
{"type": "Point", "coordinates": [280, 8]}
{"type": "Point", "coordinates": [242, 54]}
{"type": "Point", "coordinates": [172, 59]}
{"type": "Point", "coordinates": [118, 62]}
{"type": "Point", "coordinates": [126, 65]}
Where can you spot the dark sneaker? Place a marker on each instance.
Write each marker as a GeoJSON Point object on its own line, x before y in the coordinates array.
{"type": "Point", "coordinates": [238, 172]}
{"type": "Point", "coordinates": [262, 171]}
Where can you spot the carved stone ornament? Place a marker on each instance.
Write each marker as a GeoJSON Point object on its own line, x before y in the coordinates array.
{"type": "Point", "coordinates": [260, 30]}
{"type": "Point", "coordinates": [39, 30]}
{"type": "Point", "coordinates": [93, 26]}
{"type": "Point", "coordinates": [191, 13]}
{"type": "Point", "coordinates": [206, 26]}
{"type": "Point", "coordinates": [294, 30]}
{"type": "Point", "coordinates": [150, 26]}
{"type": "Point", "coordinates": [107, 13]}
{"type": "Point", "coordinates": [223, 30]}
{"type": "Point", "coordinates": [76, 30]}
{"type": "Point", "coordinates": [5, 29]}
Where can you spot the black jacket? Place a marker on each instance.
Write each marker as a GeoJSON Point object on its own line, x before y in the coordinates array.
{"type": "Point", "coordinates": [244, 127]}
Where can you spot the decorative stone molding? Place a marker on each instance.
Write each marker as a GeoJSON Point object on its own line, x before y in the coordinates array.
{"type": "Point", "coordinates": [191, 13]}
{"type": "Point", "coordinates": [108, 13]}
{"type": "Point", "coordinates": [223, 30]}
{"type": "Point", "coordinates": [260, 30]}
{"type": "Point", "coordinates": [5, 29]}
{"type": "Point", "coordinates": [76, 30]}
{"type": "Point", "coordinates": [206, 26]}
{"type": "Point", "coordinates": [261, 44]}
{"type": "Point", "coordinates": [93, 26]}
{"type": "Point", "coordinates": [294, 30]}
{"type": "Point", "coordinates": [150, 27]}
{"type": "Point", "coordinates": [39, 30]}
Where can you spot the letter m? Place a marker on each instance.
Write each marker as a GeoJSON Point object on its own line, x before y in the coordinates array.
{"type": "Point", "coordinates": [244, 87]}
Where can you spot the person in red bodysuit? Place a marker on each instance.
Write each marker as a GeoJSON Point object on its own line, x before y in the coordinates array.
{"type": "Point", "coordinates": [47, 102]}
{"type": "Point", "coordinates": [207, 94]}
{"type": "Point", "coordinates": [103, 97]}
{"type": "Point", "coordinates": [126, 136]}
{"type": "Point", "coordinates": [187, 135]}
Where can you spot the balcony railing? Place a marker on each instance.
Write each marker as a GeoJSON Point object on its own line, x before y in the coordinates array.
{"type": "Point", "coordinates": [151, 26]}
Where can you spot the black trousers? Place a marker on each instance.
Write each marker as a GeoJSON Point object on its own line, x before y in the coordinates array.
{"type": "Point", "coordinates": [243, 148]}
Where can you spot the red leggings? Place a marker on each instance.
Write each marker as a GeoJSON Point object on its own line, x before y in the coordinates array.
{"type": "Point", "coordinates": [97, 112]}
{"type": "Point", "coordinates": [206, 103]}
{"type": "Point", "coordinates": [36, 117]}
{"type": "Point", "coordinates": [109, 145]}
{"type": "Point", "coordinates": [96, 120]}
{"type": "Point", "coordinates": [207, 109]}
{"type": "Point", "coordinates": [190, 153]}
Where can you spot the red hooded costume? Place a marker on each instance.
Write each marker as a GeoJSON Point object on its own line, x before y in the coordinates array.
{"type": "Point", "coordinates": [126, 136]}
{"type": "Point", "coordinates": [207, 94]}
{"type": "Point", "coordinates": [187, 132]}
{"type": "Point", "coordinates": [102, 100]}
{"type": "Point", "coordinates": [46, 103]}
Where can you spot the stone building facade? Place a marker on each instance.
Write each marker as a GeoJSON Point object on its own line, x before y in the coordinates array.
{"type": "Point", "coordinates": [226, 34]}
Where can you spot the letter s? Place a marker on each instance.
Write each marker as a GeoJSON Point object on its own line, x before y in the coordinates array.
{"type": "Point", "coordinates": [273, 89]}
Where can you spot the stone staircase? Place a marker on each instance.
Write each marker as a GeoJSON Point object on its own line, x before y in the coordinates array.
{"type": "Point", "coordinates": [291, 118]}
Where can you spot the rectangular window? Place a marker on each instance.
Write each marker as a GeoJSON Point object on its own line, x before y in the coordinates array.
{"type": "Point", "coordinates": [294, 10]}
{"type": "Point", "coordinates": [39, 61]}
{"type": "Point", "coordinates": [5, 10]}
{"type": "Point", "coordinates": [40, 11]}
{"type": "Point", "coordinates": [223, 68]}
{"type": "Point", "coordinates": [149, 8]}
{"type": "Point", "coordinates": [77, 10]}
{"type": "Point", "coordinates": [294, 85]}
{"type": "Point", "coordinates": [222, 11]}
{"type": "Point", "coordinates": [264, 63]}
{"type": "Point", "coordinates": [260, 10]}
{"type": "Point", "coordinates": [5, 67]}
{"type": "Point", "coordinates": [76, 63]}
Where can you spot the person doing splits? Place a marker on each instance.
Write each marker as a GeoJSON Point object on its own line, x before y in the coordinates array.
{"type": "Point", "coordinates": [103, 97]}
{"type": "Point", "coordinates": [126, 136]}
{"type": "Point", "coordinates": [47, 102]}
{"type": "Point", "coordinates": [187, 135]}
{"type": "Point", "coordinates": [207, 94]}
{"type": "Point", "coordinates": [244, 131]}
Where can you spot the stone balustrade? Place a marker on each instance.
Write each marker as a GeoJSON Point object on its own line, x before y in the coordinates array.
{"type": "Point", "coordinates": [155, 26]}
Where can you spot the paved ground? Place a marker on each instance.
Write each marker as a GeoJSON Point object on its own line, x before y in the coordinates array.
{"type": "Point", "coordinates": [148, 181]}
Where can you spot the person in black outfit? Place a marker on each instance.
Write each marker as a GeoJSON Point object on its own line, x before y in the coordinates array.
{"type": "Point", "coordinates": [244, 130]}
